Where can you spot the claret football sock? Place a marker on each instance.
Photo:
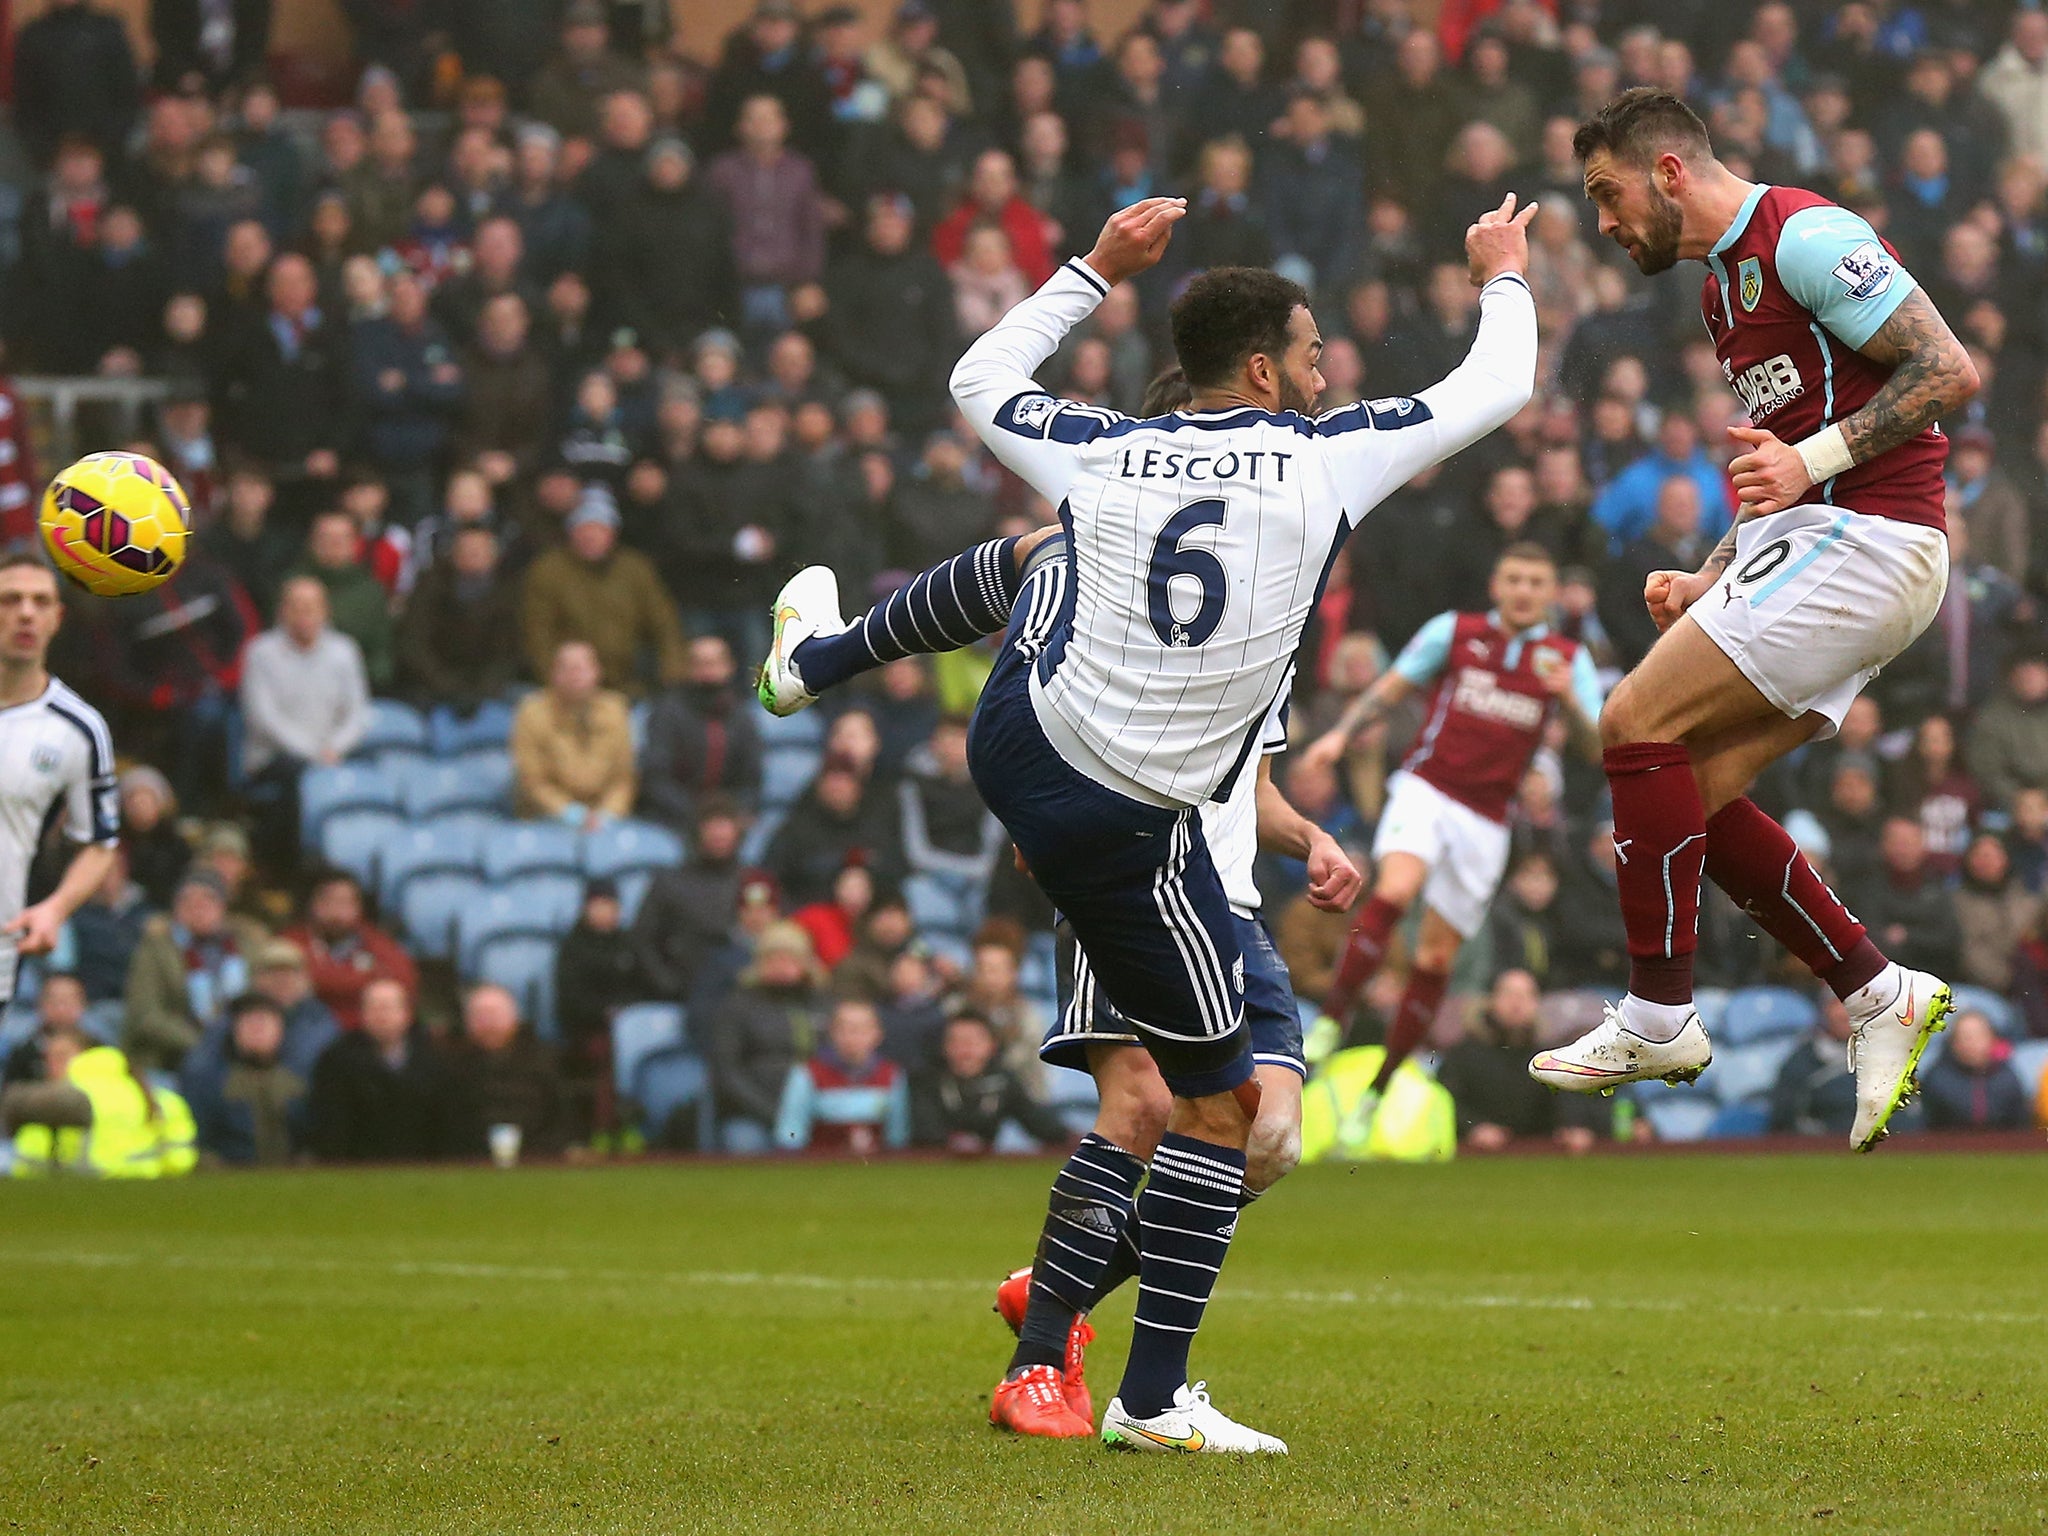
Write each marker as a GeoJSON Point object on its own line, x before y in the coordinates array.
{"type": "Point", "coordinates": [1660, 845]}
{"type": "Point", "coordinates": [1186, 1217]}
{"type": "Point", "coordinates": [954, 604]}
{"type": "Point", "coordinates": [1364, 950]}
{"type": "Point", "coordinates": [1758, 864]}
{"type": "Point", "coordinates": [1086, 1218]}
{"type": "Point", "coordinates": [1419, 1003]}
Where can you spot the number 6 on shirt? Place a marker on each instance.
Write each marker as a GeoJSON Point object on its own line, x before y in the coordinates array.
{"type": "Point", "coordinates": [1170, 559]}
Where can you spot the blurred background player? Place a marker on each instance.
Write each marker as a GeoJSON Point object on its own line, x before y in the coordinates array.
{"type": "Point", "coordinates": [1444, 833]}
{"type": "Point", "coordinates": [56, 754]}
{"type": "Point", "coordinates": [1835, 565]}
{"type": "Point", "coordinates": [1132, 703]}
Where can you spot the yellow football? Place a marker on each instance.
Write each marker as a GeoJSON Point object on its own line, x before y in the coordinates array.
{"type": "Point", "coordinates": [116, 523]}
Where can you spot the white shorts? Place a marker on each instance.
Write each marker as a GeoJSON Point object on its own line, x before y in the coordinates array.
{"type": "Point", "coordinates": [1465, 852]}
{"type": "Point", "coordinates": [1818, 598]}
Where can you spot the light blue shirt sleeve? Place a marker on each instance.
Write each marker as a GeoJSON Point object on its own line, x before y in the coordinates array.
{"type": "Point", "coordinates": [1586, 687]}
{"type": "Point", "coordinates": [793, 1122]}
{"type": "Point", "coordinates": [1831, 260]}
{"type": "Point", "coordinates": [1423, 657]}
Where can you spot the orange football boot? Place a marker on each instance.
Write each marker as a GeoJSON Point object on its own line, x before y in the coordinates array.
{"type": "Point", "coordinates": [1034, 1402]}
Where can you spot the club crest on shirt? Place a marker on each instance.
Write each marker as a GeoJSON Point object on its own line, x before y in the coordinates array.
{"type": "Point", "coordinates": [1866, 271]}
{"type": "Point", "coordinates": [1032, 412]}
{"type": "Point", "coordinates": [1749, 282]}
{"type": "Point", "coordinates": [45, 759]}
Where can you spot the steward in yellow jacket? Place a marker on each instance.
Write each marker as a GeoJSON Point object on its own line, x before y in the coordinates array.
{"type": "Point", "coordinates": [94, 1116]}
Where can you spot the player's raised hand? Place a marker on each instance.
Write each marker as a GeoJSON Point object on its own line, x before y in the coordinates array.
{"type": "Point", "coordinates": [1769, 475]}
{"type": "Point", "coordinates": [1326, 750]}
{"type": "Point", "coordinates": [1135, 238]}
{"type": "Point", "coordinates": [1667, 594]}
{"type": "Point", "coordinates": [1333, 880]}
{"type": "Point", "coordinates": [1499, 242]}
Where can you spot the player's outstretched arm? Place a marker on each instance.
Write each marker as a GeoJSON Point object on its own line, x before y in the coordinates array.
{"type": "Point", "coordinates": [1931, 376]}
{"type": "Point", "coordinates": [35, 930]}
{"type": "Point", "coordinates": [993, 384]}
{"type": "Point", "coordinates": [1385, 693]}
{"type": "Point", "coordinates": [1333, 880]}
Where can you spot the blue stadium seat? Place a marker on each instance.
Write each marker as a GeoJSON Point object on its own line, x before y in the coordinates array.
{"type": "Point", "coordinates": [1680, 1120]}
{"type": "Point", "coordinates": [1759, 1013]}
{"type": "Point", "coordinates": [342, 787]}
{"type": "Point", "coordinates": [638, 1031]}
{"type": "Point", "coordinates": [636, 726]}
{"type": "Point", "coordinates": [632, 892]}
{"type": "Point", "coordinates": [429, 847]}
{"type": "Point", "coordinates": [786, 772]}
{"type": "Point", "coordinates": [1711, 1004]}
{"type": "Point", "coordinates": [490, 728]}
{"type": "Point", "coordinates": [1655, 1091]}
{"type": "Point", "coordinates": [541, 906]}
{"type": "Point", "coordinates": [1752, 1117]}
{"type": "Point", "coordinates": [755, 847]}
{"type": "Point", "coordinates": [950, 946]}
{"type": "Point", "coordinates": [429, 907]}
{"type": "Point", "coordinates": [1749, 1071]}
{"type": "Point", "coordinates": [620, 847]}
{"type": "Point", "coordinates": [2030, 1061]}
{"type": "Point", "coordinates": [1040, 971]}
{"type": "Point", "coordinates": [355, 840]}
{"type": "Point", "coordinates": [392, 724]}
{"type": "Point", "coordinates": [935, 906]}
{"type": "Point", "coordinates": [669, 1083]}
{"type": "Point", "coordinates": [2004, 1017]}
{"type": "Point", "coordinates": [531, 847]}
{"type": "Point", "coordinates": [475, 781]}
{"type": "Point", "coordinates": [805, 729]}
{"type": "Point", "coordinates": [524, 965]}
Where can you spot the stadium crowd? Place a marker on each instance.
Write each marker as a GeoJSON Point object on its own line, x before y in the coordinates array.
{"type": "Point", "coordinates": [510, 392]}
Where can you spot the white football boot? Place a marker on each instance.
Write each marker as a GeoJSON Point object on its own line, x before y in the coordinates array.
{"type": "Point", "coordinates": [1885, 1046]}
{"type": "Point", "coordinates": [1191, 1424]}
{"type": "Point", "coordinates": [1611, 1054]}
{"type": "Point", "coordinates": [807, 605]}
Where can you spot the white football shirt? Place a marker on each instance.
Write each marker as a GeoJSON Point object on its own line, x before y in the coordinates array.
{"type": "Point", "coordinates": [1202, 540]}
{"type": "Point", "coordinates": [56, 758]}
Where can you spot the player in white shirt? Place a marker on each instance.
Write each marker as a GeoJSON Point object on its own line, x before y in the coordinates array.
{"type": "Point", "coordinates": [1200, 542]}
{"type": "Point", "coordinates": [56, 756]}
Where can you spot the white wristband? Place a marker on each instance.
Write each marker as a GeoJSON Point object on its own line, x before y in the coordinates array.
{"type": "Point", "coordinates": [1825, 454]}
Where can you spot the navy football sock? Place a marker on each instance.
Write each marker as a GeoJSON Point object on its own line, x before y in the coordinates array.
{"type": "Point", "coordinates": [1185, 1220]}
{"type": "Point", "coordinates": [1091, 1204]}
{"type": "Point", "coordinates": [945, 608]}
{"type": "Point", "coordinates": [1125, 1261]}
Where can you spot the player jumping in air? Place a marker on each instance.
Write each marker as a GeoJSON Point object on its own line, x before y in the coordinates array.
{"type": "Point", "coordinates": [54, 750]}
{"type": "Point", "coordinates": [1199, 544]}
{"type": "Point", "coordinates": [1444, 835]}
{"type": "Point", "coordinates": [1836, 563]}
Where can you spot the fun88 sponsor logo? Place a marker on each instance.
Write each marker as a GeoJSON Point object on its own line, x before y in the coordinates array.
{"type": "Point", "coordinates": [1767, 386]}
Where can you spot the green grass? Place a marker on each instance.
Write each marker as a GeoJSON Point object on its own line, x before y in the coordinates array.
{"type": "Point", "coordinates": [1688, 1344]}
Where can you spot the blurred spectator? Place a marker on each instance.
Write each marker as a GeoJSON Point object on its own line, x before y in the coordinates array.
{"type": "Point", "coordinates": [885, 932]}
{"type": "Point", "coordinates": [95, 1112]}
{"type": "Point", "coordinates": [305, 703]}
{"type": "Point", "coordinates": [763, 1031]}
{"type": "Point", "coordinates": [913, 1005]}
{"type": "Point", "coordinates": [74, 73]}
{"type": "Point", "coordinates": [778, 215]}
{"type": "Point", "coordinates": [993, 992]}
{"type": "Point", "coordinates": [1487, 1076]}
{"type": "Point", "coordinates": [157, 855]}
{"type": "Point", "coordinates": [608, 598]}
{"type": "Point", "coordinates": [2026, 842]}
{"type": "Point", "coordinates": [583, 71]}
{"type": "Point", "coordinates": [499, 1073]}
{"type": "Point", "coordinates": [597, 972]}
{"type": "Point", "coordinates": [1910, 913]}
{"type": "Point", "coordinates": [935, 506]}
{"type": "Point", "coordinates": [987, 282]}
{"type": "Point", "coordinates": [2016, 83]}
{"type": "Point", "coordinates": [248, 1105]}
{"type": "Point", "coordinates": [357, 605]}
{"type": "Point", "coordinates": [890, 324]}
{"type": "Point", "coordinates": [346, 954]}
{"type": "Point", "coordinates": [572, 745]}
{"type": "Point", "coordinates": [1314, 196]}
{"type": "Point", "coordinates": [703, 738]}
{"type": "Point", "coordinates": [1988, 502]}
{"type": "Point", "coordinates": [963, 1101]}
{"type": "Point", "coordinates": [2008, 744]}
{"type": "Point", "coordinates": [847, 1097]}
{"type": "Point", "coordinates": [1632, 505]}
{"type": "Point", "coordinates": [278, 972]}
{"type": "Point", "coordinates": [946, 828]}
{"type": "Point", "coordinates": [837, 820]}
{"type": "Point", "coordinates": [1970, 1085]}
{"type": "Point", "coordinates": [245, 542]}
{"type": "Point", "coordinates": [1994, 915]}
{"type": "Point", "coordinates": [189, 964]}
{"type": "Point", "coordinates": [991, 197]}
{"type": "Point", "coordinates": [768, 57]}
{"type": "Point", "coordinates": [1674, 541]}
{"type": "Point", "coordinates": [60, 1010]}
{"type": "Point", "coordinates": [285, 379]}
{"type": "Point", "coordinates": [504, 414]}
{"type": "Point", "coordinates": [105, 932]}
{"type": "Point", "coordinates": [381, 1093]}
{"type": "Point", "coordinates": [406, 388]}
{"type": "Point", "coordinates": [555, 228]}
{"type": "Point", "coordinates": [455, 632]}
{"type": "Point", "coordinates": [671, 261]}
{"type": "Point", "coordinates": [1523, 918]}
{"type": "Point", "coordinates": [687, 912]}
{"type": "Point", "coordinates": [833, 923]}
{"type": "Point", "coordinates": [1930, 785]}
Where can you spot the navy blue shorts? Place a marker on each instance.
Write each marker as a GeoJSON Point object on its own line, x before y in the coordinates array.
{"type": "Point", "coordinates": [1135, 881]}
{"type": "Point", "coordinates": [1087, 1018]}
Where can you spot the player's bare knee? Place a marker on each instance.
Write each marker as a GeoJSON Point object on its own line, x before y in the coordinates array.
{"type": "Point", "coordinates": [1133, 1110]}
{"type": "Point", "coordinates": [1218, 1118]}
{"type": "Point", "coordinates": [1027, 543]}
{"type": "Point", "coordinates": [1619, 720]}
{"type": "Point", "coordinates": [1273, 1152]}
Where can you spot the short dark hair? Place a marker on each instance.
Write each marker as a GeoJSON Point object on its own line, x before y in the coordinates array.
{"type": "Point", "coordinates": [1168, 392]}
{"type": "Point", "coordinates": [1641, 123]}
{"type": "Point", "coordinates": [1230, 314]}
{"type": "Point", "coordinates": [253, 1002]}
{"type": "Point", "coordinates": [23, 559]}
{"type": "Point", "coordinates": [1526, 549]}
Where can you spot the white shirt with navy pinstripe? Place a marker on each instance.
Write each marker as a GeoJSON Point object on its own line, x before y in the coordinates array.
{"type": "Point", "coordinates": [56, 760]}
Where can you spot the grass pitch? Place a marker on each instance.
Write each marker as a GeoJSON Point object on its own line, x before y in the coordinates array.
{"type": "Point", "coordinates": [1709, 1344]}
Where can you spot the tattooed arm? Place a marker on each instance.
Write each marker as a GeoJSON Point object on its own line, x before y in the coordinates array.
{"type": "Point", "coordinates": [1931, 376]}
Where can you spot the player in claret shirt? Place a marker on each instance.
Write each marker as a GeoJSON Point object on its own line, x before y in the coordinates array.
{"type": "Point", "coordinates": [1443, 837]}
{"type": "Point", "coordinates": [1836, 562]}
